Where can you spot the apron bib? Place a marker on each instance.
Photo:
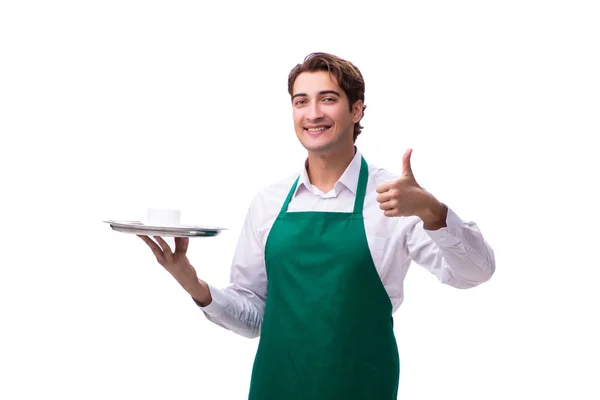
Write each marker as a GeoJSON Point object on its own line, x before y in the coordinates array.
{"type": "Point", "coordinates": [327, 331]}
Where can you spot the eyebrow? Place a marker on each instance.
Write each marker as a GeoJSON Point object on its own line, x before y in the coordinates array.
{"type": "Point", "coordinates": [321, 93]}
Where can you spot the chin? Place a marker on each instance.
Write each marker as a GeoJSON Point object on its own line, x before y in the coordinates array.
{"type": "Point", "coordinates": [317, 146]}
{"type": "Point", "coordinates": [309, 142]}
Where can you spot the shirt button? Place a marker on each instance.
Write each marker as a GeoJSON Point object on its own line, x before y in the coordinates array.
{"type": "Point", "coordinates": [443, 238]}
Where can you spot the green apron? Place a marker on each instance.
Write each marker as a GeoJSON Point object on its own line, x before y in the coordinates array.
{"type": "Point", "coordinates": [327, 331]}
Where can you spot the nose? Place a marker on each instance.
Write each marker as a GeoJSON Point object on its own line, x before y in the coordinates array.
{"type": "Point", "coordinates": [315, 113]}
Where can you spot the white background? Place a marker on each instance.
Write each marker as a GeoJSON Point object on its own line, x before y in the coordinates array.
{"type": "Point", "coordinates": [108, 108]}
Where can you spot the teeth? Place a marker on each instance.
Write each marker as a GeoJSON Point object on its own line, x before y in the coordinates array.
{"type": "Point", "coordinates": [321, 128]}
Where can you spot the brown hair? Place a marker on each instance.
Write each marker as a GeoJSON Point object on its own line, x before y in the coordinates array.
{"type": "Point", "coordinates": [347, 75]}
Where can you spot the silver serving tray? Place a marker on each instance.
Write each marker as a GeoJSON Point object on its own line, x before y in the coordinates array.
{"type": "Point", "coordinates": [139, 228]}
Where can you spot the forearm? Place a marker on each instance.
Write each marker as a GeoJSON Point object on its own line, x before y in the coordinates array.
{"type": "Point", "coordinates": [456, 253]}
{"type": "Point", "coordinates": [185, 274]}
{"type": "Point", "coordinates": [464, 251]}
{"type": "Point", "coordinates": [469, 266]}
{"type": "Point", "coordinates": [234, 310]}
{"type": "Point", "coordinates": [228, 308]}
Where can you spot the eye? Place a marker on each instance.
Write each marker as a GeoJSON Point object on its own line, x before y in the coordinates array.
{"type": "Point", "coordinates": [329, 99]}
{"type": "Point", "coordinates": [299, 102]}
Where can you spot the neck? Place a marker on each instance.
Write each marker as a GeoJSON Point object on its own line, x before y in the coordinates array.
{"type": "Point", "coordinates": [325, 169]}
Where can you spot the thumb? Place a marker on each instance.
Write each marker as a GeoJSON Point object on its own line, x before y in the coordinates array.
{"type": "Point", "coordinates": [181, 245]}
{"type": "Point", "coordinates": [406, 168]}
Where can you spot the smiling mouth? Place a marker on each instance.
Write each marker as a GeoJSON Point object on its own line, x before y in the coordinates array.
{"type": "Point", "coordinates": [317, 130]}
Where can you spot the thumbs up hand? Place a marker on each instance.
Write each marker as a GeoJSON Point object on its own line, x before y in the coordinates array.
{"type": "Point", "coordinates": [404, 197]}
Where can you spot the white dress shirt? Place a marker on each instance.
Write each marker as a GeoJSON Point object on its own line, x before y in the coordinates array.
{"type": "Point", "coordinates": [457, 254]}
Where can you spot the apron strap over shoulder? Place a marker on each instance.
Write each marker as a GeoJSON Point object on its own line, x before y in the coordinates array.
{"type": "Point", "coordinates": [361, 188]}
{"type": "Point", "coordinates": [289, 196]}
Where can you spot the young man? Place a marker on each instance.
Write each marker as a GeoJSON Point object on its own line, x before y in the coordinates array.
{"type": "Point", "coordinates": [320, 264]}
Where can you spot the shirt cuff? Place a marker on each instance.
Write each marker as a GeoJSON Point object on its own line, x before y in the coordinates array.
{"type": "Point", "coordinates": [218, 305]}
{"type": "Point", "coordinates": [448, 235]}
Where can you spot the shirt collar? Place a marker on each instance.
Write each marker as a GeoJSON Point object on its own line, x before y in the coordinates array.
{"type": "Point", "coordinates": [349, 178]}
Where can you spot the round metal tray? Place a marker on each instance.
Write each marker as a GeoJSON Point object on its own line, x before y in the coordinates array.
{"type": "Point", "coordinates": [138, 228]}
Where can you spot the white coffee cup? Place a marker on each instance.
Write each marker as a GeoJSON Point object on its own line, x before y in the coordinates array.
{"type": "Point", "coordinates": [163, 217]}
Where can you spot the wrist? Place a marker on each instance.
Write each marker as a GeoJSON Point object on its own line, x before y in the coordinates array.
{"type": "Point", "coordinates": [200, 292]}
{"type": "Point", "coordinates": [435, 215]}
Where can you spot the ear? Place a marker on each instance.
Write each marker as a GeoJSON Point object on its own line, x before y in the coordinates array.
{"type": "Point", "coordinates": [357, 111]}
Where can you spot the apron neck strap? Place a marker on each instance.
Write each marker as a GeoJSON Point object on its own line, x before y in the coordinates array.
{"type": "Point", "coordinates": [289, 196]}
{"type": "Point", "coordinates": [361, 189]}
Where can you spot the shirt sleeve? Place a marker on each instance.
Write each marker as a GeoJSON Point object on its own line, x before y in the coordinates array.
{"type": "Point", "coordinates": [457, 254]}
{"type": "Point", "coordinates": [239, 307]}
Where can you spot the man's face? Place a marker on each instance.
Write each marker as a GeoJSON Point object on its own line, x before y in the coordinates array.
{"type": "Point", "coordinates": [322, 117]}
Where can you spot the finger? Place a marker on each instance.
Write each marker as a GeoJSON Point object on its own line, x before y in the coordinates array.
{"type": "Point", "coordinates": [391, 213]}
{"type": "Point", "coordinates": [406, 167]}
{"type": "Point", "coordinates": [389, 205]}
{"type": "Point", "coordinates": [384, 187]}
{"type": "Point", "coordinates": [385, 206]}
{"type": "Point", "coordinates": [383, 197]}
{"type": "Point", "coordinates": [181, 245]}
{"type": "Point", "coordinates": [153, 246]}
{"type": "Point", "coordinates": [164, 245]}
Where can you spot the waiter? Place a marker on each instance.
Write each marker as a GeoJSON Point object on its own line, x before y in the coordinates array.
{"type": "Point", "coordinates": [331, 246]}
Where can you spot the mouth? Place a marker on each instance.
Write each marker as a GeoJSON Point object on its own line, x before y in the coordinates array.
{"type": "Point", "coordinates": [316, 130]}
